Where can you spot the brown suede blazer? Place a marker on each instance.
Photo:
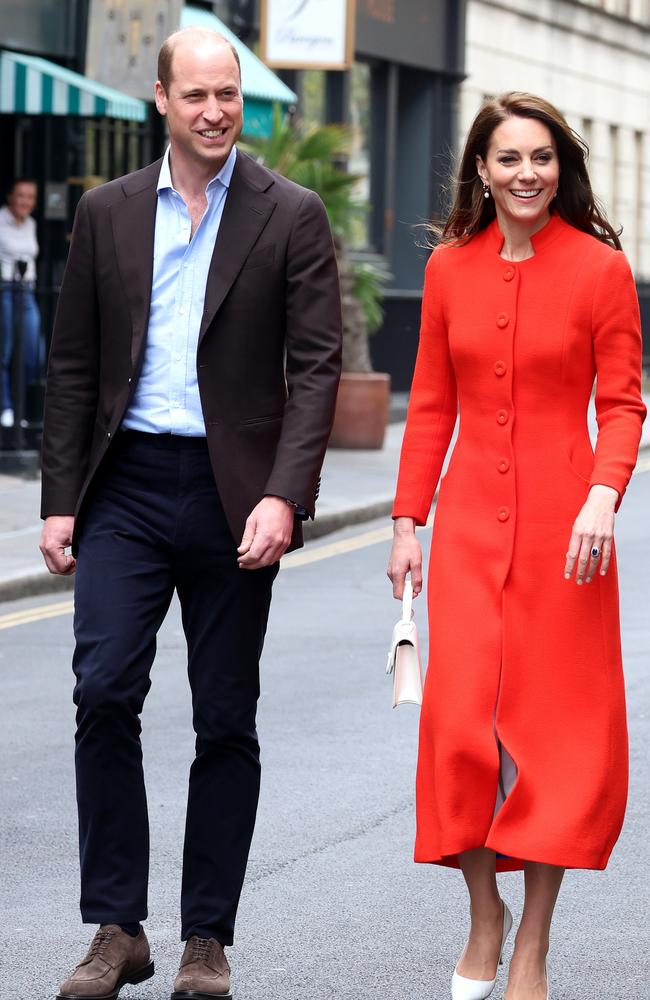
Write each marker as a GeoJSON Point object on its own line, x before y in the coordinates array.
{"type": "Point", "coordinates": [269, 346]}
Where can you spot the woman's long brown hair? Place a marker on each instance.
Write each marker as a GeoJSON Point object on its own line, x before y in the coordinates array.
{"type": "Point", "coordinates": [575, 201]}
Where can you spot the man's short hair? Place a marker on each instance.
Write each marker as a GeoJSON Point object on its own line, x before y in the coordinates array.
{"type": "Point", "coordinates": [166, 54]}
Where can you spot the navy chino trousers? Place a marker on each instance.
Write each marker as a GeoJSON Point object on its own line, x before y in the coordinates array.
{"type": "Point", "coordinates": [155, 524]}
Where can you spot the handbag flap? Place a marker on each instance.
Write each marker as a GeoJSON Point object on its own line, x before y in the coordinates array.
{"type": "Point", "coordinates": [403, 632]}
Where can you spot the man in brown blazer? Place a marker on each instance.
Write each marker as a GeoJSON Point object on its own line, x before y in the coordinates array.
{"type": "Point", "coordinates": [191, 389]}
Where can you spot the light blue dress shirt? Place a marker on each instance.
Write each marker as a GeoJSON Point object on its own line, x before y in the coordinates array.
{"type": "Point", "coordinates": [166, 398]}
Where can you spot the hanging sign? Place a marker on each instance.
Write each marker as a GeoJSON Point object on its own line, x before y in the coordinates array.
{"type": "Point", "coordinates": [307, 34]}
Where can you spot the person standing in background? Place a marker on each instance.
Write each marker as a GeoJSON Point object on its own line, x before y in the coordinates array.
{"type": "Point", "coordinates": [19, 314]}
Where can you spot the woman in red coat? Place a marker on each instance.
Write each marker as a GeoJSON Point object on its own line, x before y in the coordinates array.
{"type": "Point", "coordinates": [523, 744]}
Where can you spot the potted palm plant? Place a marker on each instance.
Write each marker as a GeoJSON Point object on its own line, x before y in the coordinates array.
{"type": "Point", "coordinates": [312, 158]}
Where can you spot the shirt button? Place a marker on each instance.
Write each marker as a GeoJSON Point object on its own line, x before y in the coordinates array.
{"type": "Point", "coordinates": [178, 357]}
{"type": "Point", "coordinates": [181, 311]}
{"type": "Point", "coordinates": [503, 464]}
{"type": "Point", "coordinates": [509, 274]}
{"type": "Point", "coordinates": [502, 320]}
{"type": "Point", "coordinates": [500, 368]}
{"type": "Point", "coordinates": [503, 513]}
{"type": "Point", "coordinates": [502, 416]}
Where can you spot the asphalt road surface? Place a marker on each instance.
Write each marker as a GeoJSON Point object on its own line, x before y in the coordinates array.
{"type": "Point", "coordinates": [333, 905]}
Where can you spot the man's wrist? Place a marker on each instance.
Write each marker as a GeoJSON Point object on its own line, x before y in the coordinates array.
{"type": "Point", "coordinates": [299, 511]}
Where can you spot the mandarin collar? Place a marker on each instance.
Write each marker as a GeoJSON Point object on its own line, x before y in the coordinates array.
{"type": "Point", "coordinates": [542, 238]}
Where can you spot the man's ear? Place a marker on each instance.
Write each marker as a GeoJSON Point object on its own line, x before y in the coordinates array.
{"type": "Point", "coordinates": [160, 98]}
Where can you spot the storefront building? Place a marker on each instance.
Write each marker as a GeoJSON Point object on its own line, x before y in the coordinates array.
{"type": "Point", "coordinates": [400, 98]}
{"type": "Point", "coordinates": [591, 58]}
{"type": "Point", "coordinates": [64, 125]}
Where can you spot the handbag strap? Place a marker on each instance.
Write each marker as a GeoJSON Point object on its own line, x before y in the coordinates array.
{"type": "Point", "coordinates": [407, 601]}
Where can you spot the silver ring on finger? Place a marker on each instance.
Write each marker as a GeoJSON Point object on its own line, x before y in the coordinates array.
{"type": "Point", "coordinates": [595, 552]}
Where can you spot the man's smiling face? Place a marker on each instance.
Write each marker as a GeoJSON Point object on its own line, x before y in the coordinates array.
{"type": "Point", "coordinates": [203, 103]}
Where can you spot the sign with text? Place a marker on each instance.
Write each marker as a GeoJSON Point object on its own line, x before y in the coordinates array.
{"type": "Point", "coordinates": [307, 34]}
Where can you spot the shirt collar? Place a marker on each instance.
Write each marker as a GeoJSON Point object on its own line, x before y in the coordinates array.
{"type": "Point", "coordinates": [224, 175]}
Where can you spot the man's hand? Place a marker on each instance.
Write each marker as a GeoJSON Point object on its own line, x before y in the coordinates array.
{"type": "Point", "coordinates": [56, 537]}
{"type": "Point", "coordinates": [267, 533]}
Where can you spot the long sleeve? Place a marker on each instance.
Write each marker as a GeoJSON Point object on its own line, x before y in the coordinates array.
{"type": "Point", "coordinates": [432, 407]}
{"type": "Point", "coordinates": [313, 358]}
{"type": "Point", "coordinates": [73, 375]}
{"type": "Point", "coordinates": [620, 410]}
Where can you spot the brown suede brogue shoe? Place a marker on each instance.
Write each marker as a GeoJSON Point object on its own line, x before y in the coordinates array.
{"type": "Point", "coordinates": [114, 959]}
{"type": "Point", "coordinates": [204, 972]}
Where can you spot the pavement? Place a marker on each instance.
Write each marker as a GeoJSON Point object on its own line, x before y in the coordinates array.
{"type": "Point", "coordinates": [357, 486]}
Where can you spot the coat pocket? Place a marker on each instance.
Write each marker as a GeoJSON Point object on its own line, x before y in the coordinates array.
{"type": "Point", "coordinates": [260, 257]}
{"type": "Point", "coordinates": [261, 420]}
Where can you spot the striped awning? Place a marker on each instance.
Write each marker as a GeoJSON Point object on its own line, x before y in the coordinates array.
{"type": "Point", "coordinates": [33, 86]}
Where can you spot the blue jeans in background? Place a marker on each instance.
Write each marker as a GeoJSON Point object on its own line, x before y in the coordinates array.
{"type": "Point", "coordinates": [13, 299]}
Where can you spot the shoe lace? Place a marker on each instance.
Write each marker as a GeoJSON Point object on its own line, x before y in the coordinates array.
{"type": "Point", "coordinates": [100, 941]}
{"type": "Point", "coordinates": [201, 949]}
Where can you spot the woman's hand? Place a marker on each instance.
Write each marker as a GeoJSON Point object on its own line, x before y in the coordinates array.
{"type": "Point", "coordinates": [405, 557]}
{"type": "Point", "coordinates": [593, 527]}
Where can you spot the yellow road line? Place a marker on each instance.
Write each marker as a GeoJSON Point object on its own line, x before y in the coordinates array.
{"type": "Point", "coordinates": [295, 559]}
{"type": "Point", "coordinates": [30, 615]}
{"type": "Point", "coordinates": [306, 556]}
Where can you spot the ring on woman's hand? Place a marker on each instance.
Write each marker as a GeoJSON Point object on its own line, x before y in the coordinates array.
{"type": "Point", "coordinates": [595, 552]}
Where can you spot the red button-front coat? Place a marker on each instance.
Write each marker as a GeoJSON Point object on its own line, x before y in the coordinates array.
{"type": "Point", "coordinates": [517, 654]}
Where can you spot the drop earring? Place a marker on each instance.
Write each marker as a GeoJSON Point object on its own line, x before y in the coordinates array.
{"type": "Point", "coordinates": [486, 190]}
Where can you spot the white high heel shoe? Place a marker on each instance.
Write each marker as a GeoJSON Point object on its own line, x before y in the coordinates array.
{"type": "Point", "coordinates": [479, 989]}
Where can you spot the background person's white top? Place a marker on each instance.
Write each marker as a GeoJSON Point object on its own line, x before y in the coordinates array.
{"type": "Point", "coordinates": [17, 242]}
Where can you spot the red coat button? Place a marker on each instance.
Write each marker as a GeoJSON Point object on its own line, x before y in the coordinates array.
{"type": "Point", "coordinates": [500, 368]}
{"type": "Point", "coordinates": [502, 320]}
{"type": "Point", "coordinates": [503, 464]}
{"type": "Point", "coordinates": [503, 513]}
{"type": "Point", "coordinates": [509, 274]}
{"type": "Point", "coordinates": [502, 416]}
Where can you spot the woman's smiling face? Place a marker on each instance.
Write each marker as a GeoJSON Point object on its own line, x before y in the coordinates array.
{"type": "Point", "coordinates": [522, 169]}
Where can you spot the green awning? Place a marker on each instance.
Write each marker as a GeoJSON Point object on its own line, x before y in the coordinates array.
{"type": "Point", "coordinates": [33, 86]}
{"type": "Point", "coordinates": [261, 87]}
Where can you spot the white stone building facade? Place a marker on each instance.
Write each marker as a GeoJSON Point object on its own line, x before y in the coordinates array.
{"type": "Point", "coordinates": [592, 60]}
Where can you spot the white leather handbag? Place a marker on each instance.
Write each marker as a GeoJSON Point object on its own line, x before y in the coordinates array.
{"type": "Point", "coordinates": [404, 656]}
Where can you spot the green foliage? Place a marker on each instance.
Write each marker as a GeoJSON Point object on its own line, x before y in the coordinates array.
{"type": "Point", "coordinates": [369, 280]}
{"type": "Point", "coordinates": [313, 159]}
